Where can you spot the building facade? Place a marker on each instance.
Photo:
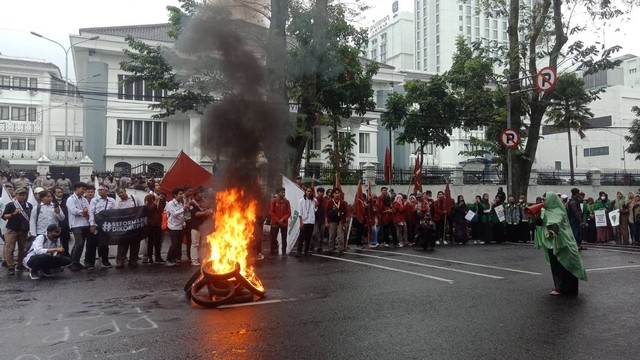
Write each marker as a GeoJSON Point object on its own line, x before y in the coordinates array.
{"type": "Point", "coordinates": [391, 40]}
{"type": "Point", "coordinates": [33, 121]}
{"type": "Point", "coordinates": [605, 145]}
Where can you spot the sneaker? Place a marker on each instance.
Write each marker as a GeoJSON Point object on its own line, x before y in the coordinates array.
{"type": "Point", "coordinates": [46, 272]}
{"type": "Point", "coordinates": [481, 242]}
{"type": "Point", "coordinates": [445, 242]}
{"type": "Point", "coordinates": [88, 266]}
{"type": "Point", "coordinates": [160, 261]}
{"type": "Point", "coordinates": [195, 263]}
{"type": "Point", "coordinates": [400, 245]}
{"type": "Point", "coordinates": [386, 245]}
{"type": "Point", "coordinates": [145, 260]}
{"type": "Point", "coordinates": [75, 267]}
{"type": "Point", "coordinates": [170, 264]}
{"type": "Point", "coordinates": [82, 267]}
{"type": "Point", "coordinates": [11, 271]}
{"type": "Point", "coordinates": [106, 264]}
{"type": "Point", "coordinates": [34, 275]}
{"type": "Point", "coordinates": [475, 242]}
{"type": "Point", "coordinates": [373, 246]}
{"type": "Point", "coordinates": [411, 244]}
{"type": "Point", "coordinates": [21, 268]}
{"type": "Point", "coordinates": [438, 242]}
{"type": "Point", "coordinates": [259, 256]}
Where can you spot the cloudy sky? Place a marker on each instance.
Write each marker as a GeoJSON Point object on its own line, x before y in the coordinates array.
{"type": "Point", "coordinates": [58, 19]}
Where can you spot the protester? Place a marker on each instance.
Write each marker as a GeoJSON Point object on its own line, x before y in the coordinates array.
{"type": "Point", "coordinates": [46, 253]}
{"type": "Point", "coordinates": [155, 203]}
{"type": "Point", "coordinates": [17, 213]}
{"type": "Point", "coordinates": [318, 230]}
{"type": "Point", "coordinates": [399, 221]}
{"type": "Point", "coordinates": [48, 183]}
{"type": "Point", "coordinates": [426, 232]}
{"type": "Point", "coordinates": [603, 232]}
{"type": "Point", "coordinates": [198, 215]}
{"type": "Point", "coordinates": [64, 183]}
{"type": "Point", "coordinates": [279, 212]}
{"type": "Point", "coordinates": [561, 251]}
{"type": "Point", "coordinates": [45, 214]}
{"type": "Point", "coordinates": [308, 206]}
{"type": "Point", "coordinates": [459, 222]}
{"type": "Point", "coordinates": [99, 204]}
{"type": "Point", "coordinates": [60, 199]}
{"type": "Point", "coordinates": [335, 220]}
{"type": "Point", "coordinates": [175, 222]}
{"type": "Point", "coordinates": [78, 208]}
{"type": "Point", "coordinates": [574, 212]}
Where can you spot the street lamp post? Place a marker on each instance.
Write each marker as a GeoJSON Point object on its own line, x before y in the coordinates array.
{"type": "Point", "coordinates": [66, 87]}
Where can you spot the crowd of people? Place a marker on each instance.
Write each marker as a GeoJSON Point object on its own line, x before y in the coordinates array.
{"type": "Point", "coordinates": [37, 238]}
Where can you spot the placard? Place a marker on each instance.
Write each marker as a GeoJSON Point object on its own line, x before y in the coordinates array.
{"type": "Point", "coordinates": [470, 215]}
{"type": "Point", "coordinates": [601, 218]}
{"type": "Point", "coordinates": [614, 216]}
{"type": "Point", "coordinates": [500, 213]}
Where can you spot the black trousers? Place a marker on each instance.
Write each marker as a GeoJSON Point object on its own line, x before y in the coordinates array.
{"type": "Point", "coordinates": [90, 253]}
{"type": "Point", "coordinates": [80, 236]}
{"type": "Point", "coordinates": [273, 235]}
{"type": "Point", "coordinates": [154, 242]}
{"type": "Point", "coordinates": [65, 236]}
{"type": "Point", "coordinates": [564, 282]}
{"type": "Point", "coordinates": [388, 230]}
{"type": "Point", "coordinates": [175, 249]}
{"type": "Point", "coordinates": [359, 230]}
{"type": "Point", "coordinates": [132, 247]}
{"type": "Point", "coordinates": [305, 237]}
{"type": "Point", "coordinates": [47, 262]}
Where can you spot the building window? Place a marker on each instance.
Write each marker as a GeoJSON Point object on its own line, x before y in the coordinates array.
{"type": "Point", "coordinates": [20, 82]}
{"type": "Point", "coordinates": [599, 151]}
{"type": "Point", "coordinates": [18, 113]}
{"type": "Point", "coordinates": [5, 82]}
{"type": "Point", "coordinates": [4, 113]}
{"type": "Point", "coordinates": [316, 139]}
{"type": "Point", "coordinates": [364, 143]}
{"type": "Point", "coordinates": [632, 71]}
{"type": "Point", "coordinates": [31, 144]}
{"type": "Point", "coordinates": [4, 143]}
{"type": "Point", "coordinates": [18, 144]}
{"type": "Point", "coordinates": [383, 52]}
{"type": "Point", "coordinates": [79, 146]}
{"type": "Point", "coordinates": [141, 133]}
{"type": "Point", "coordinates": [32, 116]}
{"type": "Point", "coordinates": [33, 84]}
{"type": "Point", "coordinates": [374, 55]}
{"type": "Point", "coordinates": [138, 90]}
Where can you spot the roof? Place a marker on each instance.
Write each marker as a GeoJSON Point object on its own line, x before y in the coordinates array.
{"type": "Point", "coordinates": [28, 62]}
{"type": "Point", "coordinates": [153, 32]}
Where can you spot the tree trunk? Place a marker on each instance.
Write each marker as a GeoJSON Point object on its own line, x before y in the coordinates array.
{"type": "Point", "coordinates": [276, 55]}
{"type": "Point", "coordinates": [570, 152]}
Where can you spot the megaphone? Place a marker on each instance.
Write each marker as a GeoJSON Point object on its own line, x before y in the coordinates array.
{"type": "Point", "coordinates": [533, 211]}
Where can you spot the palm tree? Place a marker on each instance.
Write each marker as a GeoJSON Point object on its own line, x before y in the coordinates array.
{"type": "Point", "coordinates": [569, 111]}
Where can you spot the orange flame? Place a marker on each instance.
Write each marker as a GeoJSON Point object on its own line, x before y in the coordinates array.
{"type": "Point", "coordinates": [234, 224]}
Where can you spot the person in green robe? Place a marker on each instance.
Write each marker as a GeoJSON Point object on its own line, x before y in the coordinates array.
{"type": "Point", "coordinates": [554, 235]}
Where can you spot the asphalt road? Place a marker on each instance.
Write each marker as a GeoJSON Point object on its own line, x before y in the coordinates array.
{"type": "Point", "coordinates": [461, 302]}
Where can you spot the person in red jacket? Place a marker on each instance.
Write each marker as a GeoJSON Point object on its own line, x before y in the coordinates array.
{"type": "Point", "coordinates": [410, 216]}
{"type": "Point", "coordinates": [280, 212]}
{"type": "Point", "coordinates": [155, 203]}
{"type": "Point", "coordinates": [399, 220]}
{"type": "Point", "coordinates": [385, 216]}
{"type": "Point", "coordinates": [440, 213]}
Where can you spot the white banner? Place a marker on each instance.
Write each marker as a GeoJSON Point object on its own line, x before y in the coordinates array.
{"type": "Point", "coordinates": [601, 218]}
{"type": "Point", "coordinates": [500, 213]}
{"type": "Point", "coordinates": [614, 216]}
{"type": "Point", "coordinates": [470, 215]}
{"type": "Point", "coordinates": [4, 200]}
{"type": "Point", "coordinates": [293, 193]}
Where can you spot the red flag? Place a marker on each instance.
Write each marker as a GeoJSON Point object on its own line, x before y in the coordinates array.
{"type": "Point", "coordinates": [388, 167]}
{"type": "Point", "coordinates": [370, 209]}
{"type": "Point", "coordinates": [358, 205]}
{"type": "Point", "coordinates": [185, 171]}
{"type": "Point", "coordinates": [338, 186]}
{"type": "Point", "coordinates": [447, 199]}
{"type": "Point", "coordinates": [417, 174]}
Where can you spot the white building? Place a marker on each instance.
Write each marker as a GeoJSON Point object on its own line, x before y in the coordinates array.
{"type": "Point", "coordinates": [605, 145]}
{"type": "Point", "coordinates": [32, 114]}
{"type": "Point", "coordinates": [391, 40]}
{"type": "Point", "coordinates": [120, 132]}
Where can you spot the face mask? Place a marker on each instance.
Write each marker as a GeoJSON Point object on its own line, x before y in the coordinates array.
{"type": "Point", "coordinates": [48, 176]}
{"type": "Point", "coordinates": [603, 198]}
{"type": "Point", "coordinates": [521, 201]}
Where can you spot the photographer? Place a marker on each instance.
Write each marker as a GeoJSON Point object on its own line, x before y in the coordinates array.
{"type": "Point", "coordinates": [45, 214]}
{"type": "Point", "coordinates": [46, 253]}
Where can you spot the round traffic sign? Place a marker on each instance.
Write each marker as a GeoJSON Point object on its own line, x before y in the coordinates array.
{"type": "Point", "coordinates": [546, 79]}
{"type": "Point", "coordinates": [509, 138]}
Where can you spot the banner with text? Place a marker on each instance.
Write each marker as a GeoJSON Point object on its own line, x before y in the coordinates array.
{"type": "Point", "coordinates": [122, 226]}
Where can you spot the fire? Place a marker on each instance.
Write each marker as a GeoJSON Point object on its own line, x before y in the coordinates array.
{"type": "Point", "coordinates": [234, 225]}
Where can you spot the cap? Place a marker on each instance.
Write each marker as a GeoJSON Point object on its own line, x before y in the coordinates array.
{"type": "Point", "coordinates": [419, 194]}
{"type": "Point", "coordinates": [21, 173]}
{"type": "Point", "coordinates": [53, 227]}
{"type": "Point", "coordinates": [8, 185]}
{"type": "Point", "coordinates": [38, 190]}
{"type": "Point", "coordinates": [21, 190]}
{"type": "Point", "coordinates": [564, 197]}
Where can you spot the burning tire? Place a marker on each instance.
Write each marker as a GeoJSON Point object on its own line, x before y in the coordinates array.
{"type": "Point", "coordinates": [211, 299]}
{"type": "Point", "coordinates": [235, 273]}
{"type": "Point", "coordinates": [251, 287]}
{"type": "Point", "coordinates": [192, 279]}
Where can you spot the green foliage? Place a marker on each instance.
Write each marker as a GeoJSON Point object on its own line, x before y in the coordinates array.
{"type": "Point", "coordinates": [344, 152]}
{"type": "Point", "coordinates": [634, 137]}
{"type": "Point", "coordinates": [568, 108]}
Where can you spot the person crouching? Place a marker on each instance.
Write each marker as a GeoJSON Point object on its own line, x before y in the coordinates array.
{"type": "Point", "coordinates": [426, 232]}
{"type": "Point", "coordinates": [46, 254]}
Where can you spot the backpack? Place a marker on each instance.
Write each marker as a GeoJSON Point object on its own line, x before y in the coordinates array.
{"type": "Point", "coordinates": [164, 225]}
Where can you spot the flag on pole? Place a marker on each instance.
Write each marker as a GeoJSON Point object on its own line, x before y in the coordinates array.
{"type": "Point", "coordinates": [358, 205]}
{"type": "Point", "coordinates": [294, 194]}
{"type": "Point", "coordinates": [447, 199]}
{"type": "Point", "coordinates": [388, 167]}
{"type": "Point", "coordinates": [417, 174]}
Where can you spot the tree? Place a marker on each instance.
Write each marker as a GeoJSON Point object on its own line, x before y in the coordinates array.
{"type": "Point", "coordinates": [326, 75]}
{"type": "Point", "coordinates": [546, 30]}
{"type": "Point", "coordinates": [427, 113]}
{"type": "Point", "coordinates": [634, 131]}
{"type": "Point", "coordinates": [568, 110]}
{"type": "Point", "coordinates": [341, 156]}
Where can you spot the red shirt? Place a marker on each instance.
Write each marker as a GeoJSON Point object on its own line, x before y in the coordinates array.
{"type": "Point", "coordinates": [280, 212]}
{"type": "Point", "coordinates": [410, 213]}
{"type": "Point", "coordinates": [399, 212]}
{"type": "Point", "coordinates": [154, 210]}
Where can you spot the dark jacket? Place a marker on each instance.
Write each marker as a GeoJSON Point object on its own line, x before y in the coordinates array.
{"type": "Point", "coordinates": [18, 222]}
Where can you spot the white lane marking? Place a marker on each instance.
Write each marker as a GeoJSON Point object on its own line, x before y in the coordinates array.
{"type": "Point", "coordinates": [615, 268]}
{"type": "Point", "coordinates": [427, 265]}
{"type": "Point", "coordinates": [614, 250]}
{"type": "Point", "coordinates": [455, 262]}
{"type": "Point", "coordinates": [255, 303]}
{"type": "Point", "coordinates": [386, 268]}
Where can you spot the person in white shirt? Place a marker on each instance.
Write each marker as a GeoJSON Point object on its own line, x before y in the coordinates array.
{"type": "Point", "coordinates": [175, 222]}
{"type": "Point", "coordinates": [99, 204]}
{"type": "Point", "coordinates": [78, 210]}
{"type": "Point", "coordinates": [46, 253]}
{"type": "Point", "coordinates": [45, 214]}
{"type": "Point", "coordinates": [125, 201]}
{"type": "Point", "coordinates": [308, 207]}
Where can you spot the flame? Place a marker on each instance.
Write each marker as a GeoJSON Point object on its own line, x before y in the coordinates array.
{"type": "Point", "coordinates": [234, 226]}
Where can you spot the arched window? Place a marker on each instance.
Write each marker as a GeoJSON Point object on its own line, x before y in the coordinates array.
{"type": "Point", "coordinates": [122, 167]}
{"type": "Point", "coordinates": [156, 169]}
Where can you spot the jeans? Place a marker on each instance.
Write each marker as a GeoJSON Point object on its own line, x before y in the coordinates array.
{"type": "Point", "coordinates": [305, 238]}
{"type": "Point", "coordinates": [175, 249]}
{"type": "Point", "coordinates": [154, 242]}
{"type": "Point", "coordinates": [318, 235]}
{"type": "Point", "coordinates": [80, 236]}
{"type": "Point", "coordinates": [336, 236]}
{"type": "Point", "coordinates": [273, 235]}
{"type": "Point", "coordinates": [575, 229]}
